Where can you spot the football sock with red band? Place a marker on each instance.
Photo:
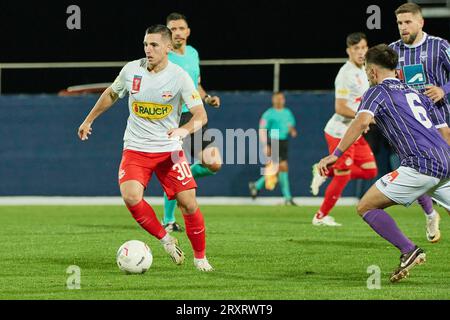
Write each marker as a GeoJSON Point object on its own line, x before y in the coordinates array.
{"type": "Point", "coordinates": [332, 194]}
{"type": "Point", "coordinates": [195, 230]}
{"type": "Point", "coordinates": [144, 214]}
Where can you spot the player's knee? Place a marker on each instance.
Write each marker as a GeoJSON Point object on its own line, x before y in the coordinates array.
{"type": "Point", "coordinates": [362, 208]}
{"type": "Point", "coordinates": [131, 198]}
{"type": "Point", "coordinates": [188, 206]}
{"type": "Point", "coordinates": [342, 172]}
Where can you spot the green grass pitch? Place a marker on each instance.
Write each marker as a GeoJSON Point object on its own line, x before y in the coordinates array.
{"type": "Point", "coordinates": [258, 253]}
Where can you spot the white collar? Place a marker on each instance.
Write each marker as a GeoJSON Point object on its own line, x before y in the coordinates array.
{"type": "Point", "coordinates": [390, 78]}
{"type": "Point", "coordinates": [411, 46]}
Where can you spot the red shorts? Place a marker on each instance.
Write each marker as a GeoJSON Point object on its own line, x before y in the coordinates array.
{"type": "Point", "coordinates": [358, 153]}
{"type": "Point", "coordinates": [171, 169]}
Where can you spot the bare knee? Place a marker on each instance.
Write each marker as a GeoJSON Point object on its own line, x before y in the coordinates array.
{"type": "Point", "coordinates": [130, 196]}
{"type": "Point", "coordinates": [188, 206]}
{"type": "Point", "coordinates": [362, 208]}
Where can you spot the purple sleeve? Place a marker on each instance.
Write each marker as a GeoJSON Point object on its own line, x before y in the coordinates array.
{"type": "Point", "coordinates": [445, 56]}
{"type": "Point", "coordinates": [370, 101]}
{"type": "Point", "coordinates": [435, 115]}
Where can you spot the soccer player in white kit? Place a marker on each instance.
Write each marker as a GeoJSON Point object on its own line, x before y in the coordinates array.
{"type": "Point", "coordinates": [358, 162]}
{"type": "Point", "coordinates": [157, 89]}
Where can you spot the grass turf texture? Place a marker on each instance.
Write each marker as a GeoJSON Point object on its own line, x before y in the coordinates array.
{"type": "Point", "coordinates": [258, 253]}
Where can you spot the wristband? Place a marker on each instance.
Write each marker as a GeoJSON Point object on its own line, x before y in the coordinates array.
{"type": "Point", "coordinates": [338, 153]}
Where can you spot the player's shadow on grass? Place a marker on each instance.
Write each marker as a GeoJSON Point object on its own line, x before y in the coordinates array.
{"type": "Point", "coordinates": [338, 243]}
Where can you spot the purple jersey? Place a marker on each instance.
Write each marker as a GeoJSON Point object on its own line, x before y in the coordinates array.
{"type": "Point", "coordinates": [426, 63]}
{"type": "Point", "coordinates": [403, 115]}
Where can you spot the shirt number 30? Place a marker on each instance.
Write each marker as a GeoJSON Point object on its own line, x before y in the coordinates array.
{"type": "Point", "coordinates": [183, 170]}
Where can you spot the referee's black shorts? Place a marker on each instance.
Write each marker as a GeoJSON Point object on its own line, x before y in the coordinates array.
{"type": "Point", "coordinates": [200, 135]}
{"type": "Point", "coordinates": [283, 149]}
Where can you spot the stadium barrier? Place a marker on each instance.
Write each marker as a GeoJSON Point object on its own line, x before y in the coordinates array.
{"type": "Point", "coordinates": [42, 155]}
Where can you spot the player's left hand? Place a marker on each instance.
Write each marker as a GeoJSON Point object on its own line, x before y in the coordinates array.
{"type": "Point", "coordinates": [325, 163]}
{"type": "Point", "coordinates": [177, 132]}
{"type": "Point", "coordinates": [294, 133]}
{"type": "Point", "coordinates": [213, 101]}
{"type": "Point", "coordinates": [435, 93]}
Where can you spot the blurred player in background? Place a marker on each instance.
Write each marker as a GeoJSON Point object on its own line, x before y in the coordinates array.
{"type": "Point", "coordinates": [358, 162]}
{"type": "Point", "coordinates": [152, 140]}
{"type": "Point", "coordinates": [424, 64]}
{"type": "Point", "coordinates": [209, 157]}
{"type": "Point", "coordinates": [277, 123]}
{"type": "Point", "coordinates": [422, 142]}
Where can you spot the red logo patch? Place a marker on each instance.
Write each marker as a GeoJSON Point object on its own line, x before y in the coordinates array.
{"type": "Point", "coordinates": [399, 74]}
{"type": "Point", "coordinates": [136, 84]}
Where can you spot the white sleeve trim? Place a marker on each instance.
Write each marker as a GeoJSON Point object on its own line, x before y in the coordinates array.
{"type": "Point", "coordinates": [439, 126]}
{"type": "Point", "coordinates": [367, 111]}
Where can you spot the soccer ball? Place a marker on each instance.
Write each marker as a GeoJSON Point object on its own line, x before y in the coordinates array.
{"type": "Point", "coordinates": [134, 256]}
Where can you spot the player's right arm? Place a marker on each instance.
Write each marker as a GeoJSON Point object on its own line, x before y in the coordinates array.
{"type": "Point", "coordinates": [117, 90]}
{"type": "Point", "coordinates": [106, 100]}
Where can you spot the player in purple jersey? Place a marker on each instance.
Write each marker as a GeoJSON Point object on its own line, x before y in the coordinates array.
{"type": "Point", "coordinates": [420, 138]}
{"type": "Point", "coordinates": [424, 64]}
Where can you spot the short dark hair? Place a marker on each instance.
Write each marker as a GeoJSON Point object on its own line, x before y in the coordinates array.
{"type": "Point", "coordinates": [382, 55]}
{"type": "Point", "coordinates": [176, 16]}
{"type": "Point", "coordinates": [355, 38]}
{"type": "Point", "coordinates": [161, 29]}
{"type": "Point", "coordinates": [409, 7]}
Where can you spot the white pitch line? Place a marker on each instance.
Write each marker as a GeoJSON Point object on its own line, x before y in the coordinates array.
{"type": "Point", "coordinates": [234, 201]}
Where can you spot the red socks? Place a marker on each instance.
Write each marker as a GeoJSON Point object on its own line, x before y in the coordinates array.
{"type": "Point", "coordinates": [144, 214]}
{"type": "Point", "coordinates": [366, 174]}
{"type": "Point", "coordinates": [332, 194]}
{"type": "Point", "coordinates": [195, 230]}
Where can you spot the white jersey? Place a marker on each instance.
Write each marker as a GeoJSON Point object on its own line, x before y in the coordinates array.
{"type": "Point", "coordinates": [350, 84]}
{"type": "Point", "coordinates": [155, 101]}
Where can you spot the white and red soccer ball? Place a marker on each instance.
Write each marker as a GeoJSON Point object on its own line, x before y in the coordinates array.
{"type": "Point", "coordinates": [134, 256]}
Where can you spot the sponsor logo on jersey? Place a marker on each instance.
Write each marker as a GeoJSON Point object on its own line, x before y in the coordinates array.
{"type": "Point", "coordinates": [167, 95]}
{"type": "Point", "coordinates": [136, 84]}
{"type": "Point", "coordinates": [423, 56]}
{"type": "Point", "coordinates": [195, 95]}
{"type": "Point", "coordinates": [150, 110]}
{"type": "Point", "coordinates": [343, 91]}
{"type": "Point", "coordinates": [414, 74]}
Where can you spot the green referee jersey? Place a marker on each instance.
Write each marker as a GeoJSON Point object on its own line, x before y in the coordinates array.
{"type": "Point", "coordinates": [277, 123]}
{"type": "Point", "coordinates": [190, 62]}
